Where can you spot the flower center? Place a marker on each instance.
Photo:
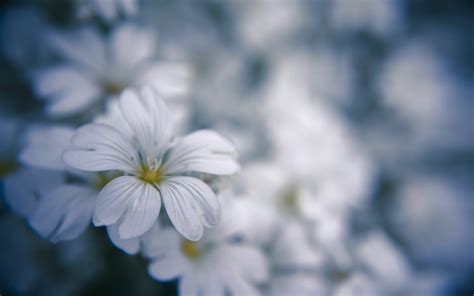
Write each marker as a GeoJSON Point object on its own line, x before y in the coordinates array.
{"type": "Point", "coordinates": [289, 200]}
{"type": "Point", "coordinates": [112, 88]}
{"type": "Point", "coordinates": [191, 250]}
{"type": "Point", "coordinates": [152, 175]}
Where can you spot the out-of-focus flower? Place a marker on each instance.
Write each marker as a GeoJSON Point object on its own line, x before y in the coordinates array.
{"type": "Point", "coordinates": [97, 68]}
{"type": "Point", "coordinates": [109, 10]}
{"type": "Point", "coordinates": [266, 25]}
{"type": "Point", "coordinates": [211, 266]}
{"type": "Point", "coordinates": [379, 17]}
{"type": "Point", "coordinates": [312, 141]}
{"type": "Point", "coordinates": [23, 188]}
{"type": "Point", "coordinates": [425, 101]}
{"type": "Point", "coordinates": [318, 151]}
{"type": "Point", "coordinates": [297, 283]}
{"type": "Point", "coordinates": [62, 209]}
{"type": "Point", "coordinates": [432, 217]}
{"type": "Point", "coordinates": [157, 168]}
{"type": "Point", "coordinates": [384, 261]}
{"type": "Point", "coordinates": [357, 284]}
{"type": "Point", "coordinates": [292, 249]}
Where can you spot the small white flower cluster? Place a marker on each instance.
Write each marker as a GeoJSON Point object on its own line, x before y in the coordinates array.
{"type": "Point", "coordinates": [229, 168]}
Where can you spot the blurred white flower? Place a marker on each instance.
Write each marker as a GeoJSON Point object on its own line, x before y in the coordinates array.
{"type": "Point", "coordinates": [133, 245]}
{"type": "Point", "coordinates": [211, 266]}
{"type": "Point", "coordinates": [312, 141]}
{"type": "Point", "coordinates": [96, 68]}
{"type": "Point", "coordinates": [301, 284]}
{"type": "Point", "coordinates": [357, 284]}
{"type": "Point", "coordinates": [379, 17]}
{"type": "Point", "coordinates": [57, 208]}
{"type": "Point", "coordinates": [23, 188]}
{"type": "Point", "coordinates": [268, 25]}
{"type": "Point", "coordinates": [428, 102]}
{"type": "Point", "coordinates": [156, 168]}
{"type": "Point", "coordinates": [433, 217]}
{"type": "Point", "coordinates": [292, 249]}
{"type": "Point", "coordinates": [319, 153]}
{"type": "Point", "coordinates": [108, 10]}
{"type": "Point", "coordinates": [57, 200]}
{"type": "Point", "coordinates": [248, 219]}
{"type": "Point", "coordinates": [384, 261]}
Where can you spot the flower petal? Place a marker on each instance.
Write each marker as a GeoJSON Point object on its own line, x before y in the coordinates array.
{"type": "Point", "coordinates": [23, 188]}
{"type": "Point", "coordinates": [203, 151]}
{"type": "Point", "coordinates": [114, 199]}
{"type": "Point", "coordinates": [141, 213]}
{"type": "Point", "coordinates": [129, 246]}
{"type": "Point", "coordinates": [44, 147]}
{"type": "Point", "coordinates": [236, 285]}
{"type": "Point", "coordinates": [130, 46]}
{"type": "Point", "coordinates": [158, 242]}
{"type": "Point", "coordinates": [150, 120]}
{"type": "Point", "coordinates": [168, 78]}
{"type": "Point", "coordinates": [84, 47]}
{"type": "Point", "coordinates": [99, 147]}
{"type": "Point", "coordinates": [189, 285]}
{"type": "Point", "coordinates": [168, 267]}
{"type": "Point", "coordinates": [63, 213]}
{"type": "Point", "coordinates": [67, 89]}
{"type": "Point", "coordinates": [247, 262]}
{"type": "Point", "coordinates": [190, 204]}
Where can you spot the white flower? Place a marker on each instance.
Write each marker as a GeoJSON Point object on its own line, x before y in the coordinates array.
{"type": "Point", "coordinates": [108, 10]}
{"type": "Point", "coordinates": [212, 266]}
{"type": "Point", "coordinates": [357, 284]}
{"type": "Point", "coordinates": [301, 284]}
{"type": "Point", "coordinates": [427, 101]}
{"type": "Point", "coordinates": [378, 17]}
{"type": "Point", "coordinates": [267, 25]}
{"type": "Point", "coordinates": [96, 68]}
{"type": "Point", "coordinates": [292, 249]}
{"type": "Point", "coordinates": [24, 186]}
{"type": "Point", "coordinates": [375, 248]}
{"type": "Point", "coordinates": [57, 202]}
{"type": "Point", "coordinates": [248, 219]}
{"type": "Point", "coordinates": [156, 168]}
{"type": "Point", "coordinates": [64, 212]}
{"type": "Point", "coordinates": [433, 217]}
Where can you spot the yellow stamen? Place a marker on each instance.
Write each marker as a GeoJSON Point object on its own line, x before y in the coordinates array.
{"type": "Point", "coordinates": [190, 249]}
{"type": "Point", "coordinates": [112, 88]}
{"type": "Point", "coordinates": [152, 176]}
{"type": "Point", "coordinates": [290, 198]}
